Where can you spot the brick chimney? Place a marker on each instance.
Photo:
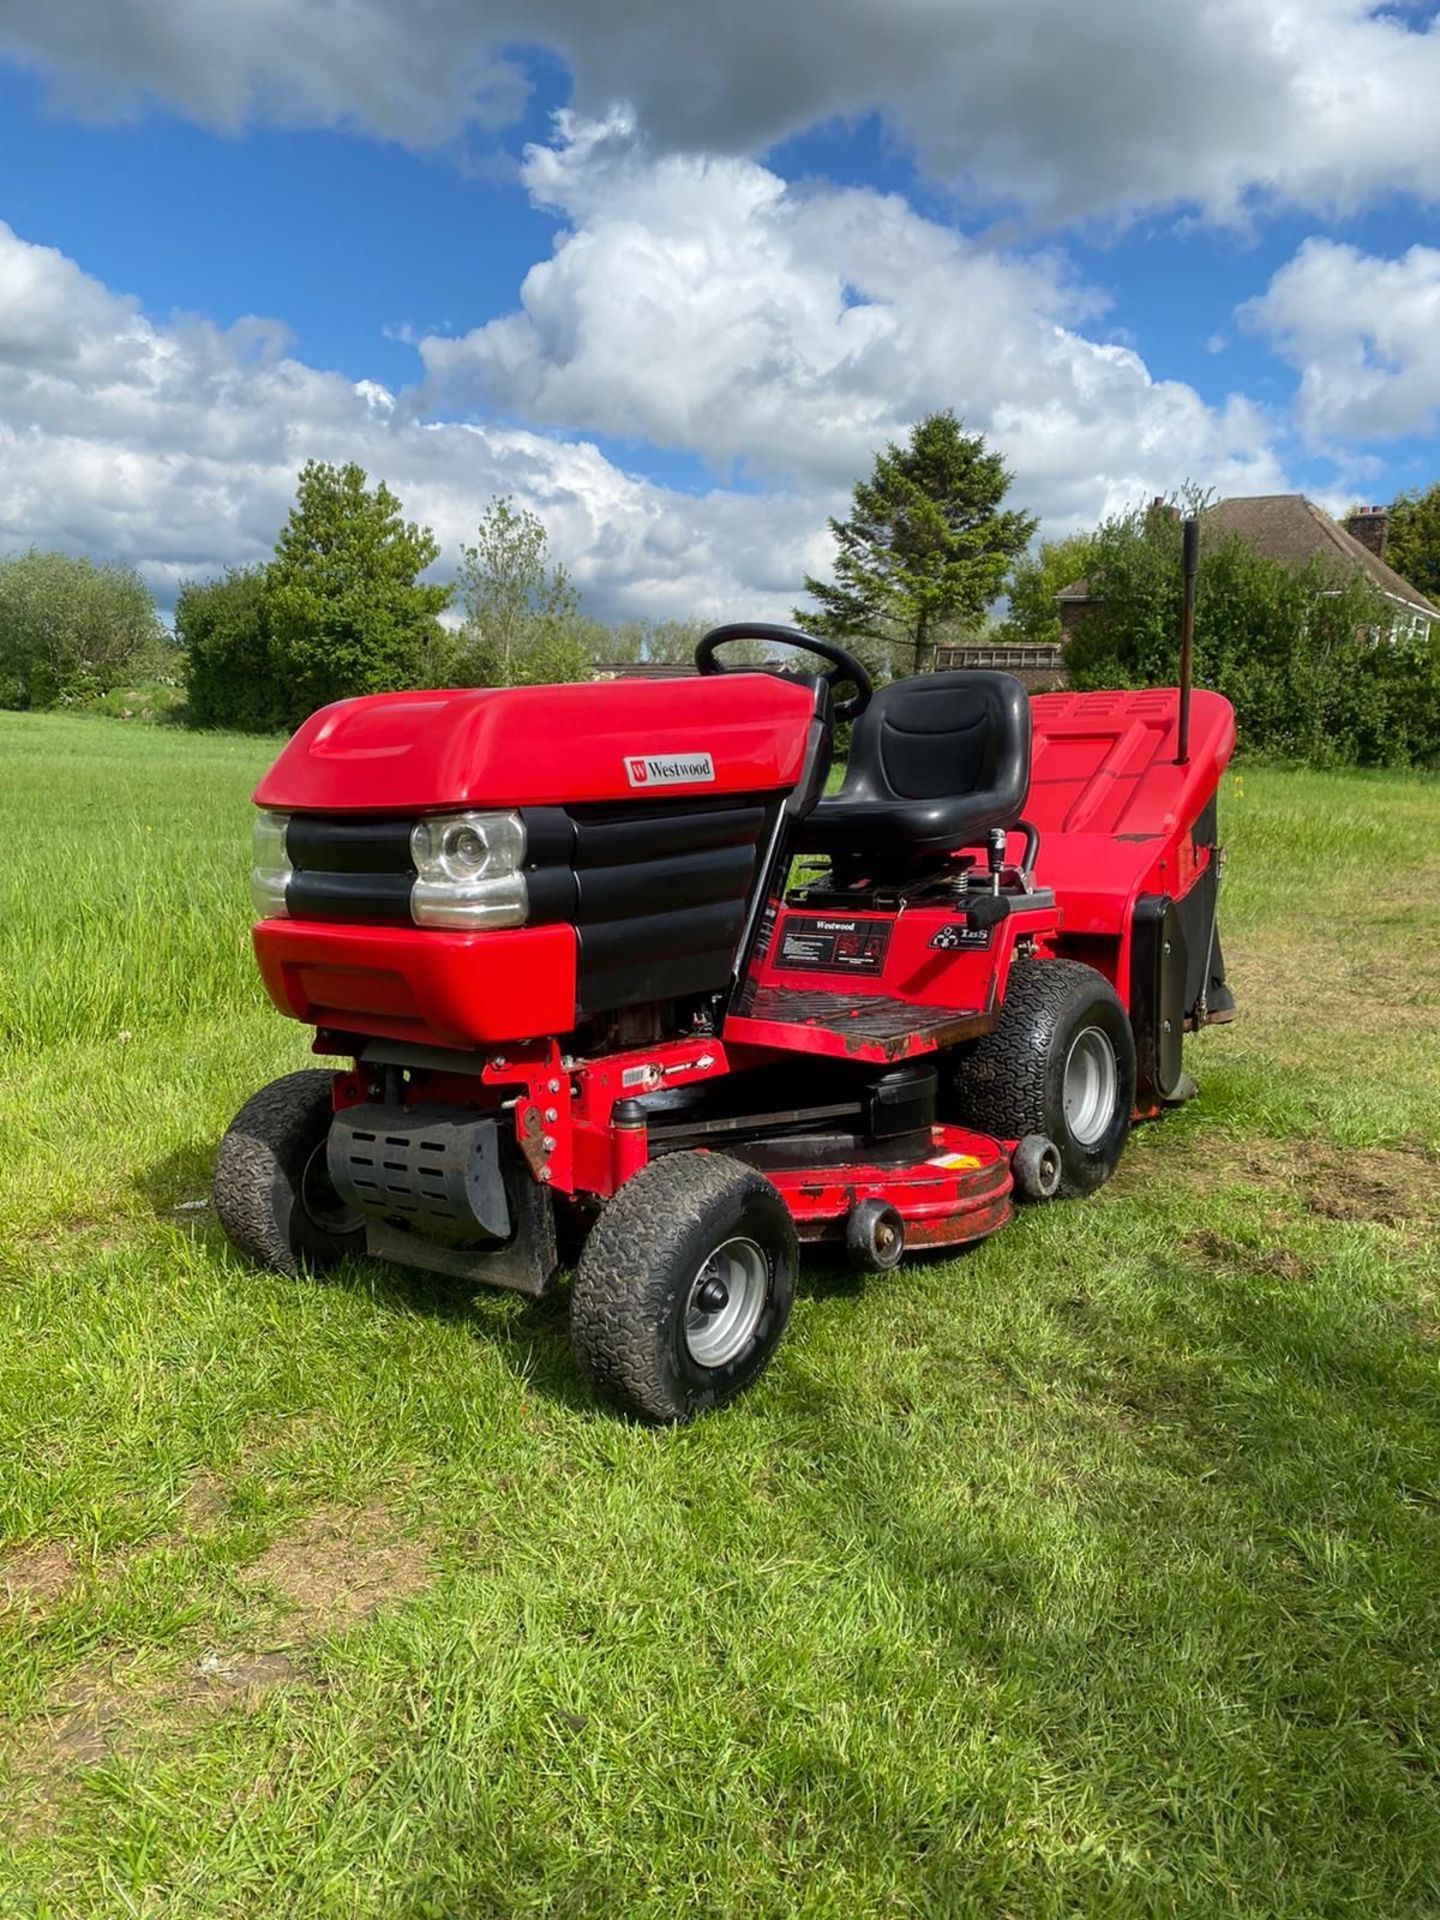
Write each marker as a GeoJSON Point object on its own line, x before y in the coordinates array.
{"type": "Point", "coordinates": [1370, 526]}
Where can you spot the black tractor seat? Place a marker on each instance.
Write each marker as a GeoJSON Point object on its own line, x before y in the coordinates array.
{"type": "Point", "coordinates": [935, 763]}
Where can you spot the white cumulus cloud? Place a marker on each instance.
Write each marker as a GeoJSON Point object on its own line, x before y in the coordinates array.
{"type": "Point", "coordinates": [1060, 109]}
{"type": "Point", "coordinates": [704, 304]}
{"type": "Point", "coordinates": [174, 448]}
{"type": "Point", "coordinates": [1364, 334]}
{"type": "Point", "coordinates": [782, 334]}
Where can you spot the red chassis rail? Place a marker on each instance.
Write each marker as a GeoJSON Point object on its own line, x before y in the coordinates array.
{"type": "Point", "coordinates": [956, 1190]}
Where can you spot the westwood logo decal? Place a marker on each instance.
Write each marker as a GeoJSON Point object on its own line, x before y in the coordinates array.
{"type": "Point", "coordinates": [668, 769]}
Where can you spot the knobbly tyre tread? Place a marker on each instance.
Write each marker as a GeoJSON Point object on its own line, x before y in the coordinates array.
{"type": "Point", "coordinates": [641, 1253]}
{"type": "Point", "coordinates": [998, 1083]}
{"type": "Point", "coordinates": [257, 1174]}
{"type": "Point", "coordinates": [1003, 1085]}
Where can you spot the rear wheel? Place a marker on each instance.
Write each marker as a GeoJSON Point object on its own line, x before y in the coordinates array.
{"type": "Point", "coordinates": [272, 1188]}
{"type": "Point", "coordinates": [684, 1287]}
{"type": "Point", "coordinates": [1061, 1064]}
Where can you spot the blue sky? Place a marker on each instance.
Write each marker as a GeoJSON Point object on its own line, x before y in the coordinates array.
{"type": "Point", "coordinates": [671, 282]}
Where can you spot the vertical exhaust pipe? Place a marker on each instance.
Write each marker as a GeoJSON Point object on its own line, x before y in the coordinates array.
{"type": "Point", "coordinates": [1191, 566]}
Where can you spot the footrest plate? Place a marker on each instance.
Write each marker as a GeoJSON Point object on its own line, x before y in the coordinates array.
{"type": "Point", "coordinates": [851, 1026]}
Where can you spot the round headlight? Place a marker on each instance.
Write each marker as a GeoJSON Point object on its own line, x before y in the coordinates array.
{"type": "Point", "coordinates": [458, 848]}
{"type": "Point", "coordinates": [465, 852]}
{"type": "Point", "coordinates": [468, 871]}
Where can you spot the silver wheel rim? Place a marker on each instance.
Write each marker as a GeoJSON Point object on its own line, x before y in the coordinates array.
{"type": "Point", "coordinates": [725, 1302]}
{"type": "Point", "coordinates": [1092, 1080]}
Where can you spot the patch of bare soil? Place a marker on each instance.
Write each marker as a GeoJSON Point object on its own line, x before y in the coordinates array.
{"type": "Point", "coordinates": [77, 1234]}
{"type": "Point", "coordinates": [339, 1565]}
{"type": "Point", "coordinates": [331, 1571]}
{"type": "Point", "coordinates": [1396, 1187]}
{"type": "Point", "coordinates": [84, 1728]}
{"type": "Point", "coordinates": [112, 1710]}
{"type": "Point", "coordinates": [219, 1678]}
{"type": "Point", "coordinates": [34, 1577]}
{"type": "Point", "coordinates": [1276, 1263]}
{"type": "Point", "coordinates": [204, 1504]}
{"type": "Point", "coordinates": [1393, 1186]}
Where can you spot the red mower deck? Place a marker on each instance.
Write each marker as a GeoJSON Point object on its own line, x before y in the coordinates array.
{"type": "Point", "coordinates": [957, 1192]}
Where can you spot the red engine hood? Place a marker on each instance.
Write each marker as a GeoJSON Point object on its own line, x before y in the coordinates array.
{"type": "Point", "coordinates": [545, 746]}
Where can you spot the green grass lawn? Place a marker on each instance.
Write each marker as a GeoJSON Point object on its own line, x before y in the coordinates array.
{"type": "Point", "coordinates": [1096, 1571]}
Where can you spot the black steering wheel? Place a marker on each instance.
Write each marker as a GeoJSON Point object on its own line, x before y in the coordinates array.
{"type": "Point", "coordinates": [844, 667]}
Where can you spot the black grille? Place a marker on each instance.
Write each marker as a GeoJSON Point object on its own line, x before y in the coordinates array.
{"type": "Point", "coordinates": [433, 1168]}
{"type": "Point", "coordinates": [347, 869]}
{"type": "Point", "coordinates": [332, 845]}
{"type": "Point", "coordinates": [657, 891]}
{"type": "Point", "coordinates": [661, 894]}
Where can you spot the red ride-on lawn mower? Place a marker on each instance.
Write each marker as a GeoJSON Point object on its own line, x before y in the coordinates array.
{"type": "Point", "coordinates": [591, 1021]}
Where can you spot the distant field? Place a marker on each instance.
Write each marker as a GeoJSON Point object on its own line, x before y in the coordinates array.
{"type": "Point", "coordinates": [1096, 1571]}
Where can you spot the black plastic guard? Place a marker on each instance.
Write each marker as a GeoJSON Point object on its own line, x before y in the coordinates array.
{"type": "Point", "coordinates": [527, 1262]}
{"type": "Point", "coordinates": [1159, 961]}
{"type": "Point", "coordinates": [435, 1169]}
{"type": "Point", "coordinates": [446, 1191]}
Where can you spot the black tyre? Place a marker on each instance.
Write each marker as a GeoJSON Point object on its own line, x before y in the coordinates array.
{"type": "Point", "coordinates": [1036, 1167]}
{"type": "Point", "coordinates": [684, 1287]}
{"type": "Point", "coordinates": [874, 1237]}
{"type": "Point", "coordinates": [272, 1191]}
{"type": "Point", "coordinates": [1060, 1063]}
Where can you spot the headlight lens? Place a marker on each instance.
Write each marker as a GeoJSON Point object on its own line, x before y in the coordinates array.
{"type": "Point", "coordinates": [271, 871]}
{"type": "Point", "coordinates": [469, 871]}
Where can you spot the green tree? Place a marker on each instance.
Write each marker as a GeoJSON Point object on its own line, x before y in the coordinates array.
{"type": "Point", "coordinates": [231, 675]}
{"type": "Point", "coordinates": [345, 608]}
{"type": "Point", "coordinates": [71, 631]}
{"type": "Point", "coordinates": [1310, 657]}
{"type": "Point", "coordinates": [926, 545]}
{"type": "Point", "coordinates": [523, 625]}
{"type": "Point", "coordinates": [1413, 546]}
{"type": "Point", "coordinates": [1034, 582]}
{"type": "Point", "coordinates": [658, 642]}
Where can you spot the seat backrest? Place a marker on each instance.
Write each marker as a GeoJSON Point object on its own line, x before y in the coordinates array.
{"type": "Point", "coordinates": [943, 734]}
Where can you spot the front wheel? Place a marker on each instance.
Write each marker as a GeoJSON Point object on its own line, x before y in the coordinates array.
{"type": "Point", "coordinates": [684, 1286]}
{"type": "Point", "coordinates": [1061, 1063]}
{"type": "Point", "coordinates": [272, 1188]}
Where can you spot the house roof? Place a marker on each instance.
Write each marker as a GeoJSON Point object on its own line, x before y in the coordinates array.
{"type": "Point", "coordinates": [1292, 529]}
